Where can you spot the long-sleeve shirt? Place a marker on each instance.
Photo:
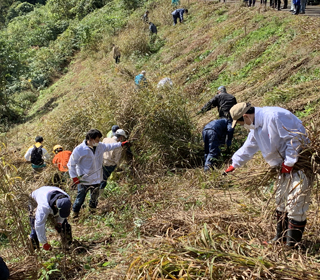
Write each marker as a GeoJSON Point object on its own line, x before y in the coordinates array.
{"type": "Point", "coordinates": [179, 12]}
{"type": "Point", "coordinates": [223, 101]}
{"type": "Point", "coordinates": [45, 154]}
{"type": "Point", "coordinates": [41, 196]}
{"type": "Point", "coordinates": [87, 163]}
{"type": "Point", "coordinates": [277, 134]}
{"type": "Point", "coordinates": [111, 158]}
{"type": "Point", "coordinates": [61, 160]}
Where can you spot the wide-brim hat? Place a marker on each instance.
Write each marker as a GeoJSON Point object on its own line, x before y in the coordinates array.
{"type": "Point", "coordinates": [238, 110]}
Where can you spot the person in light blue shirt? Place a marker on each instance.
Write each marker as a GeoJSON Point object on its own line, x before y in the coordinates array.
{"type": "Point", "coordinates": [140, 80]}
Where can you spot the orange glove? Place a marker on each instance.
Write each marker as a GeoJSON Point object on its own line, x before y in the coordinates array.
{"type": "Point", "coordinates": [47, 247]}
{"type": "Point", "coordinates": [76, 180]}
{"type": "Point", "coordinates": [229, 169]}
{"type": "Point", "coordinates": [125, 143]}
{"type": "Point", "coordinates": [286, 169]}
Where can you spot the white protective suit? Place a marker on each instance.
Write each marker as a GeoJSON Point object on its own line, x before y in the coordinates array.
{"type": "Point", "coordinates": [83, 162]}
{"type": "Point", "coordinates": [44, 210]}
{"type": "Point", "coordinates": [278, 134]}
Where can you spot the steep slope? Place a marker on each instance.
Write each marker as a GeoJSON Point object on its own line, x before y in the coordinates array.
{"type": "Point", "coordinates": [162, 217]}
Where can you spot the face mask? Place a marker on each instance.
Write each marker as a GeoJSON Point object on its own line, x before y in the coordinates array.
{"type": "Point", "coordinates": [95, 144]}
{"type": "Point", "coordinates": [248, 126]}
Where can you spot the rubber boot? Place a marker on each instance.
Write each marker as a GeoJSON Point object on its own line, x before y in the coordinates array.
{"type": "Point", "coordinates": [285, 4]}
{"type": "Point", "coordinates": [282, 225]}
{"type": "Point", "coordinates": [294, 233]}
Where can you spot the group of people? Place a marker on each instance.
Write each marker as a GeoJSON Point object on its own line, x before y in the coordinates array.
{"type": "Point", "coordinates": [297, 6]}
{"type": "Point", "coordinates": [89, 165]}
{"type": "Point", "coordinates": [279, 135]}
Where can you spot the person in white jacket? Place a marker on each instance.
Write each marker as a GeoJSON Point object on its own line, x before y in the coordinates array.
{"type": "Point", "coordinates": [278, 134]}
{"type": "Point", "coordinates": [45, 202]}
{"type": "Point", "coordinates": [85, 168]}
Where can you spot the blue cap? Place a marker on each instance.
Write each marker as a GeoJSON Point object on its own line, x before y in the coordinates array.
{"type": "Point", "coordinates": [115, 128]}
{"type": "Point", "coordinates": [64, 207]}
{"type": "Point", "coordinates": [221, 88]}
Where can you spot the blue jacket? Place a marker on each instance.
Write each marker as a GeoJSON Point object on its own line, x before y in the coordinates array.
{"type": "Point", "coordinates": [178, 12]}
{"type": "Point", "coordinates": [139, 78]}
{"type": "Point", "coordinates": [223, 129]}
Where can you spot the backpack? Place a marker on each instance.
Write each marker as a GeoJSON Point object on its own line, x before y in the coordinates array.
{"type": "Point", "coordinates": [36, 155]}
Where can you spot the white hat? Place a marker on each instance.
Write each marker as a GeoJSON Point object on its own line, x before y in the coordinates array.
{"type": "Point", "coordinates": [120, 132]}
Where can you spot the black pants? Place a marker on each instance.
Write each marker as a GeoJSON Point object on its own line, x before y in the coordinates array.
{"type": "Point", "coordinates": [117, 59]}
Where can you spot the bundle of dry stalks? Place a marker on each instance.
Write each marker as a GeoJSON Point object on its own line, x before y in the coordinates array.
{"type": "Point", "coordinates": [263, 175]}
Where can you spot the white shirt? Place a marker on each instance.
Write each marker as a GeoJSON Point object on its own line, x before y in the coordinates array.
{"type": "Point", "coordinates": [277, 134]}
{"type": "Point", "coordinates": [83, 162]}
{"type": "Point", "coordinates": [44, 210]}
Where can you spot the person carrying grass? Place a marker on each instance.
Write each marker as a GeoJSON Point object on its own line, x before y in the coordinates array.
{"type": "Point", "coordinates": [278, 134]}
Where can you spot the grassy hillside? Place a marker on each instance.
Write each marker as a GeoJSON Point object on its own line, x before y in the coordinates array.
{"type": "Point", "coordinates": [161, 217]}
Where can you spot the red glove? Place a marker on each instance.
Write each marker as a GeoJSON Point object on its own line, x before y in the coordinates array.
{"type": "Point", "coordinates": [47, 247]}
{"type": "Point", "coordinates": [76, 180]}
{"type": "Point", "coordinates": [286, 169]}
{"type": "Point", "coordinates": [125, 143]}
{"type": "Point", "coordinates": [229, 169]}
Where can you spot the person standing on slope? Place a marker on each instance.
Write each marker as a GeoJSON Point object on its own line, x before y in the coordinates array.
{"type": "Point", "coordinates": [85, 168]}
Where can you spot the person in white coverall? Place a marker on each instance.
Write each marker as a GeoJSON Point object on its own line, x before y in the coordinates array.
{"type": "Point", "coordinates": [278, 134]}
{"type": "Point", "coordinates": [85, 168]}
{"type": "Point", "coordinates": [45, 202]}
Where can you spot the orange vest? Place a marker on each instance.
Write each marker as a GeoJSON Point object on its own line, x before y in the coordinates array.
{"type": "Point", "coordinates": [61, 160]}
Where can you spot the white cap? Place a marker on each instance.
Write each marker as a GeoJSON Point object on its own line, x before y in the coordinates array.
{"type": "Point", "coordinates": [120, 132]}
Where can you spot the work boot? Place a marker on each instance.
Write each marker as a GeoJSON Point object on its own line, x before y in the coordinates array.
{"type": "Point", "coordinates": [282, 225]}
{"type": "Point", "coordinates": [294, 233]}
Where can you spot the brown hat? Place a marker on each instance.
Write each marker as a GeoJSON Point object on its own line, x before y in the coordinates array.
{"type": "Point", "coordinates": [238, 110]}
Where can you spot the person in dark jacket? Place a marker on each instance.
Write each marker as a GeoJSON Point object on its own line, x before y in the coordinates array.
{"type": "Point", "coordinates": [152, 28]}
{"type": "Point", "coordinates": [4, 271]}
{"type": "Point", "coordinates": [214, 134]}
{"type": "Point", "coordinates": [178, 13]}
{"type": "Point", "coordinates": [223, 101]}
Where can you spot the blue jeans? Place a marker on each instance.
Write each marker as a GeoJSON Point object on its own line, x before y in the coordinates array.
{"type": "Point", "coordinates": [107, 170]}
{"type": "Point", "coordinates": [211, 146]}
{"type": "Point", "coordinates": [81, 195]}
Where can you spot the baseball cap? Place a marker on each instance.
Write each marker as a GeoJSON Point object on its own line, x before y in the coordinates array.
{"type": "Point", "coordinates": [64, 207]}
{"type": "Point", "coordinates": [238, 110]}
